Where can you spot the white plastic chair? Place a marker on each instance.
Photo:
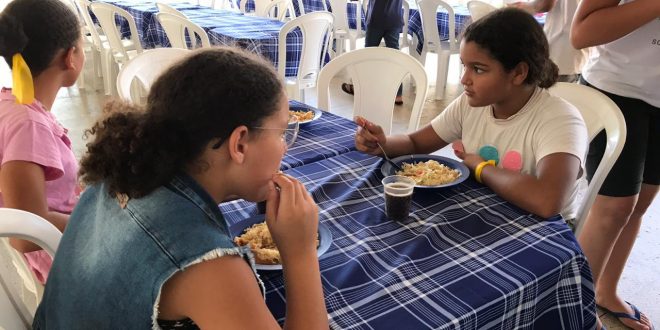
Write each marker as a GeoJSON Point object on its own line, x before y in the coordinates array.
{"type": "Point", "coordinates": [20, 293]}
{"type": "Point", "coordinates": [177, 28]}
{"type": "Point", "coordinates": [145, 68]}
{"type": "Point", "coordinates": [377, 73]}
{"type": "Point", "coordinates": [342, 31]}
{"type": "Point", "coordinates": [105, 13]}
{"type": "Point", "coordinates": [599, 113]}
{"type": "Point", "coordinates": [278, 8]}
{"type": "Point", "coordinates": [99, 43]}
{"type": "Point", "coordinates": [479, 9]}
{"type": "Point", "coordinates": [259, 7]}
{"type": "Point", "coordinates": [165, 8]}
{"type": "Point", "coordinates": [432, 43]}
{"type": "Point", "coordinates": [316, 29]}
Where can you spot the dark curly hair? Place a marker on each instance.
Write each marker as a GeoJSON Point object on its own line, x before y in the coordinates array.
{"type": "Point", "coordinates": [37, 29]}
{"type": "Point", "coordinates": [203, 97]}
{"type": "Point", "coordinates": [512, 36]}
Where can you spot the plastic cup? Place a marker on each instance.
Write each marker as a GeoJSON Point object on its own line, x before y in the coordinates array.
{"type": "Point", "coordinates": [398, 191]}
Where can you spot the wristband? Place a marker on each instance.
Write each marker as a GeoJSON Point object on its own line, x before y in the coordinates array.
{"type": "Point", "coordinates": [480, 168]}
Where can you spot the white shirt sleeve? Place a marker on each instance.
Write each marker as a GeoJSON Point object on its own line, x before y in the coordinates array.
{"type": "Point", "coordinates": [563, 131]}
{"type": "Point", "coordinates": [449, 124]}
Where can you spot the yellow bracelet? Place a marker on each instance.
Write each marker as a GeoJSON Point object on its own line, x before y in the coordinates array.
{"type": "Point", "coordinates": [480, 168]}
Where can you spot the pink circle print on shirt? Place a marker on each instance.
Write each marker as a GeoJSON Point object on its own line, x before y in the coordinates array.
{"type": "Point", "coordinates": [512, 160]}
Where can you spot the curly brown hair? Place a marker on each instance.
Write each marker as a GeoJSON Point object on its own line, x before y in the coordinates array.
{"type": "Point", "coordinates": [512, 36]}
{"type": "Point", "coordinates": [203, 97]}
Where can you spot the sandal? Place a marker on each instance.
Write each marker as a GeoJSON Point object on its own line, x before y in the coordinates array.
{"type": "Point", "coordinates": [347, 88]}
{"type": "Point", "coordinates": [636, 316]}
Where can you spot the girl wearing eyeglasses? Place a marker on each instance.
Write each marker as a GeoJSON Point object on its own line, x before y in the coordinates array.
{"type": "Point", "coordinates": [147, 246]}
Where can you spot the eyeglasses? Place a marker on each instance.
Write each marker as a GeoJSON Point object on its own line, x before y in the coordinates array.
{"type": "Point", "coordinates": [289, 134]}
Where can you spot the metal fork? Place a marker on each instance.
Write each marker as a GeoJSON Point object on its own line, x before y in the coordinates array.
{"type": "Point", "coordinates": [387, 158]}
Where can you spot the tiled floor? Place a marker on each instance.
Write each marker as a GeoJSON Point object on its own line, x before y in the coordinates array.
{"type": "Point", "coordinates": [78, 109]}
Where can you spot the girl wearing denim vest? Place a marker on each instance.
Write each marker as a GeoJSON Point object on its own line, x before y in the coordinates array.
{"type": "Point", "coordinates": [41, 42]}
{"type": "Point", "coordinates": [147, 246]}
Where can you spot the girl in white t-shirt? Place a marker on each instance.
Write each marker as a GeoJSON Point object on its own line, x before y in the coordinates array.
{"type": "Point", "coordinates": [525, 144]}
{"type": "Point", "coordinates": [625, 66]}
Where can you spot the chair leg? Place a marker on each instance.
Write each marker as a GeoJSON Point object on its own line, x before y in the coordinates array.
{"type": "Point", "coordinates": [441, 78]}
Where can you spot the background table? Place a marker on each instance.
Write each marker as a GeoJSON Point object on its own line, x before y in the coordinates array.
{"type": "Point", "coordinates": [464, 259]}
{"type": "Point", "coordinates": [328, 136]}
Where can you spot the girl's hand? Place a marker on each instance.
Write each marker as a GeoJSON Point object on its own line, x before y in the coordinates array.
{"type": "Point", "coordinates": [470, 160]}
{"type": "Point", "coordinates": [368, 136]}
{"type": "Point", "coordinates": [292, 216]}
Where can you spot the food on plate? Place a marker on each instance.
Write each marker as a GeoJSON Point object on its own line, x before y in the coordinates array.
{"type": "Point", "coordinates": [429, 173]}
{"type": "Point", "coordinates": [261, 243]}
{"type": "Point", "coordinates": [302, 116]}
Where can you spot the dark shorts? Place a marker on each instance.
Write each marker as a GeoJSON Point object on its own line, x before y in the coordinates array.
{"type": "Point", "coordinates": [639, 161]}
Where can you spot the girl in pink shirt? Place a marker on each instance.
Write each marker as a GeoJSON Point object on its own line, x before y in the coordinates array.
{"type": "Point", "coordinates": [42, 43]}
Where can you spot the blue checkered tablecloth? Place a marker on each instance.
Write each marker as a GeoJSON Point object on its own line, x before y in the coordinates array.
{"type": "Point", "coordinates": [328, 136]}
{"type": "Point", "coordinates": [461, 15]}
{"type": "Point", "coordinates": [465, 258]}
{"type": "Point", "coordinates": [256, 34]}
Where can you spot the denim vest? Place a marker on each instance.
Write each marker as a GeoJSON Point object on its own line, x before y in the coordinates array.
{"type": "Point", "coordinates": [116, 254]}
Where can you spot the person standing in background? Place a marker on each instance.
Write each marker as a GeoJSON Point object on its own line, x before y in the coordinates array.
{"type": "Point", "coordinates": [625, 66]}
{"type": "Point", "coordinates": [384, 21]}
{"type": "Point", "coordinates": [557, 29]}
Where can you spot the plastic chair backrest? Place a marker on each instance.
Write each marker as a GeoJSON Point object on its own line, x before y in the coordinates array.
{"type": "Point", "coordinates": [599, 113]}
{"type": "Point", "coordinates": [146, 68]}
{"type": "Point", "coordinates": [15, 311]}
{"type": "Point", "coordinates": [83, 8]}
{"type": "Point", "coordinates": [479, 9]}
{"type": "Point", "coordinates": [106, 13]}
{"type": "Point", "coordinates": [340, 11]}
{"type": "Point", "coordinates": [278, 9]}
{"type": "Point", "coordinates": [165, 8]}
{"type": "Point", "coordinates": [316, 29]}
{"type": "Point", "coordinates": [428, 10]}
{"type": "Point", "coordinates": [228, 5]}
{"type": "Point", "coordinates": [176, 27]}
{"type": "Point", "coordinates": [377, 73]}
{"type": "Point", "coordinates": [259, 7]}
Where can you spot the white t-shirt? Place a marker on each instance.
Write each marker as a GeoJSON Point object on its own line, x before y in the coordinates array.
{"type": "Point", "coordinates": [557, 29]}
{"type": "Point", "coordinates": [629, 66]}
{"type": "Point", "coordinates": [545, 125]}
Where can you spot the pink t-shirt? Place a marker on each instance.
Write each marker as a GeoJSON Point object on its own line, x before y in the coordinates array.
{"type": "Point", "coordinates": [31, 133]}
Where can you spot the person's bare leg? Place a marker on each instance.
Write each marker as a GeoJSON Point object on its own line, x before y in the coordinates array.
{"type": "Point", "coordinates": [608, 281]}
{"type": "Point", "coordinates": [606, 219]}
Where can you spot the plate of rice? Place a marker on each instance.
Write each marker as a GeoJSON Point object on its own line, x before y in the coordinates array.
{"type": "Point", "coordinates": [304, 115]}
{"type": "Point", "coordinates": [428, 171]}
{"type": "Point", "coordinates": [254, 232]}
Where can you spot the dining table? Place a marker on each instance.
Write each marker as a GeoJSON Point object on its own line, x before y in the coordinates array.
{"type": "Point", "coordinates": [464, 258]}
{"type": "Point", "coordinates": [328, 136]}
{"type": "Point", "coordinates": [224, 27]}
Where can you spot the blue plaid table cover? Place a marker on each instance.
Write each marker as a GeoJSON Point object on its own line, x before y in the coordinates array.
{"type": "Point", "coordinates": [328, 136]}
{"type": "Point", "coordinates": [256, 34]}
{"type": "Point", "coordinates": [461, 15]}
{"type": "Point", "coordinates": [465, 258]}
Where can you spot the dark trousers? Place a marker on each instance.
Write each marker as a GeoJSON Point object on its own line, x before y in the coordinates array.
{"type": "Point", "coordinates": [374, 36]}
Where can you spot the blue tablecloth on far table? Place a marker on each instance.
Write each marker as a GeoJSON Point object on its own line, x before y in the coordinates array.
{"type": "Point", "coordinates": [465, 258]}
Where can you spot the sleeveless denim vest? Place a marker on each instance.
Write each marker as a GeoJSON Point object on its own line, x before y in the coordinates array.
{"type": "Point", "coordinates": [116, 254]}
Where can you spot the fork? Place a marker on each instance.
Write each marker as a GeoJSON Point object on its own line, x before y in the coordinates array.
{"type": "Point", "coordinates": [387, 158]}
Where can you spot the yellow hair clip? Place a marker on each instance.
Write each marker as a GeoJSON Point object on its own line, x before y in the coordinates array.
{"type": "Point", "coordinates": [23, 86]}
